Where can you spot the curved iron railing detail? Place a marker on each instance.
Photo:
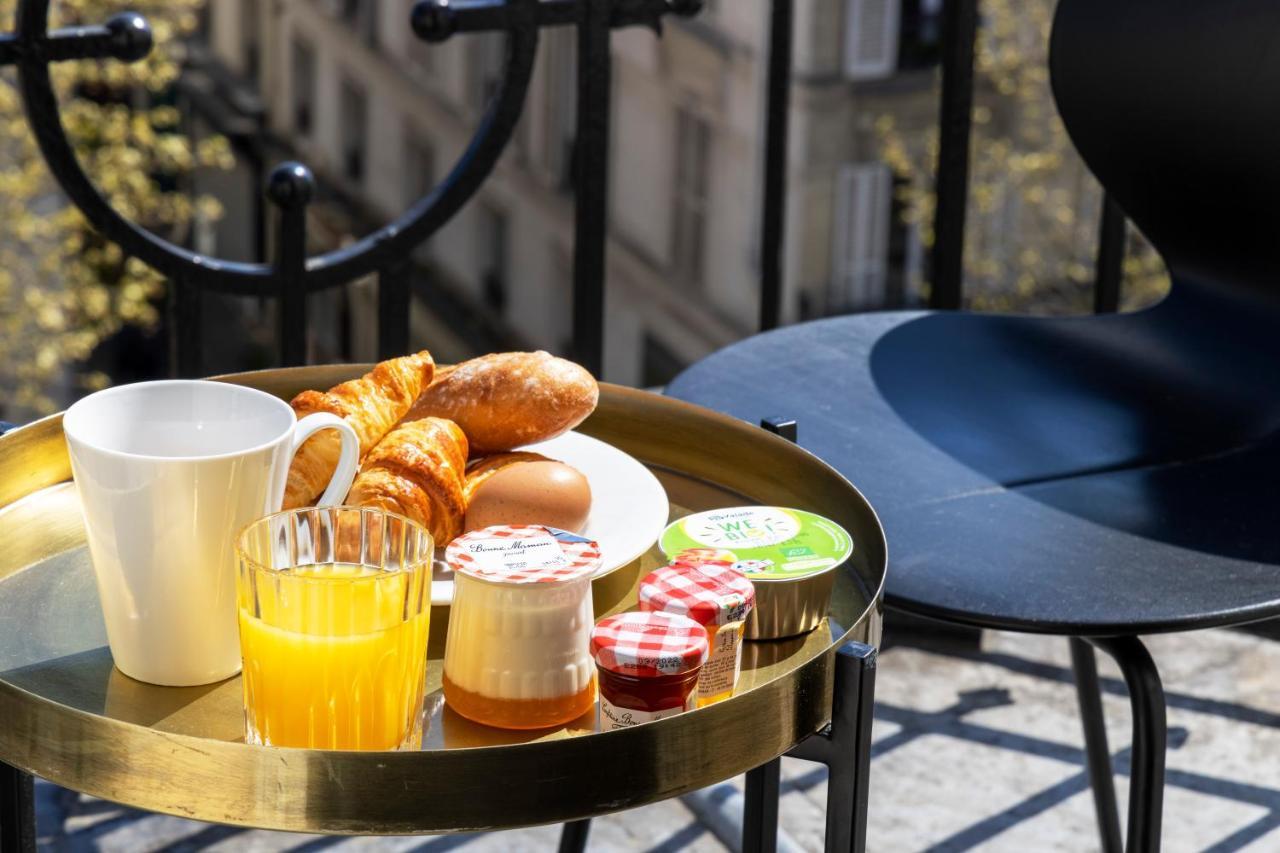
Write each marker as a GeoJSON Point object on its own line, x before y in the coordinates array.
{"type": "Point", "coordinates": [291, 275]}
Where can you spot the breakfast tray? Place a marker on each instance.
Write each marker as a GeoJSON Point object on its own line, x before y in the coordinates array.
{"type": "Point", "coordinates": [68, 715]}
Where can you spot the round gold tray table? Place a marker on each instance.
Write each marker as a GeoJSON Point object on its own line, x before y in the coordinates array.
{"type": "Point", "coordinates": [67, 715]}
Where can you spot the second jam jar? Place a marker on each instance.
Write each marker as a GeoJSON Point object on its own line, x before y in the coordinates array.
{"type": "Point", "coordinates": [648, 665]}
{"type": "Point", "coordinates": [719, 598]}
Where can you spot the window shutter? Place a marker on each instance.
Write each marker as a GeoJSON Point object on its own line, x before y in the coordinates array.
{"type": "Point", "coordinates": [860, 236]}
{"type": "Point", "coordinates": [871, 30]}
{"type": "Point", "coordinates": [560, 122]}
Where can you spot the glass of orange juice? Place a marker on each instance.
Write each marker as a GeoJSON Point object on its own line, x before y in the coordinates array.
{"type": "Point", "coordinates": [334, 604]}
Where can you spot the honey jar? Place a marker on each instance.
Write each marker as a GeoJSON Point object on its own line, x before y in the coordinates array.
{"type": "Point", "coordinates": [517, 654]}
{"type": "Point", "coordinates": [648, 666]}
{"type": "Point", "coordinates": [717, 597]}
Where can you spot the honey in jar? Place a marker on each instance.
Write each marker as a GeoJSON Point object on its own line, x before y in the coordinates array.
{"type": "Point", "coordinates": [648, 666]}
{"type": "Point", "coordinates": [517, 654]}
{"type": "Point", "coordinates": [717, 597]}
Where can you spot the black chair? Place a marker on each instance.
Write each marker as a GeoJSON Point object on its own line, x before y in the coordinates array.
{"type": "Point", "coordinates": [1103, 477]}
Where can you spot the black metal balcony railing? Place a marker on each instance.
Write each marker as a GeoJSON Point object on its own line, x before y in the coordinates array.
{"type": "Point", "coordinates": [291, 275]}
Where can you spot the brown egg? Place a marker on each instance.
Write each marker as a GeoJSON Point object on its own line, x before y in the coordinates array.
{"type": "Point", "coordinates": [532, 492]}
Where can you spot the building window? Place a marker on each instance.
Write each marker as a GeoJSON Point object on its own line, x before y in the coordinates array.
{"type": "Point", "coordinates": [366, 22]}
{"type": "Point", "coordinates": [204, 26]}
{"type": "Point", "coordinates": [491, 244]}
{"type": "Point", "coordinates": [860, 237]}
{"type": "Point", "coordinates": [560, 128]}
{"type": "Point", "coordinates": [355, 127]}
{"type": "Point", "coordinates": [419, 168]}
{"type": "Point", "coordinates": [920, 40]}
{"type": "Point", "coordinates": [906, 252]}
{"type": "Point", "coordinates": [304, 87]}
{"type": "Point", "coordinates": [871, 29]}
{"type": "Point", "coordinates": [658, 364]}
{"type": "Point", "coordinates": [689, 216]}
{"type": "Point", "coordinates": [360, 15]}
{"type": "Point", "coordinates": [484, 71]}
{"type": "Point", "coordinates": [249, 39]}
{"type": "Point", "coordinates": [419, 53]}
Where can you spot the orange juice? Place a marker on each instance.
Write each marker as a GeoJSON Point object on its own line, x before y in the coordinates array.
{"type": "Point", "coordinates": [334, 658]}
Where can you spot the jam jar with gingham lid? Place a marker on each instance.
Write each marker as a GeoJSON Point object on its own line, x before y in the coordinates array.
{"type": "Point", "coordinates": [648, 665]}
{"type": "Point", "coordinates": [517, 655]}
{"type": "Point", "coordinates": [719, 598]}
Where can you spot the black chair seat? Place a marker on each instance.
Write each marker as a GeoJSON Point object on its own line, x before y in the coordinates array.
{"type": "Point", "coordinates": [1083, 476]}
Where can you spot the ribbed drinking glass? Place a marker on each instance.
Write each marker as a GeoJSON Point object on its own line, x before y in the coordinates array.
{"type": "Point", "coordinates": [334, 605]}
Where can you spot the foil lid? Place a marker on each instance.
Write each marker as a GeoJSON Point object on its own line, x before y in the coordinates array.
{"type": "Point", "coordinates": [524, 553]}
{"type": "Point", "coordinates": [649, 645]}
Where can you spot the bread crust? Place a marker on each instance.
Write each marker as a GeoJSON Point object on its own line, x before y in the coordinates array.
{"type": "Point", "coordinates": [418, 470]}
{"type": "Point", "coordinates": [371, 404]}
{"type": "Point", "coordinates": [507, 400]}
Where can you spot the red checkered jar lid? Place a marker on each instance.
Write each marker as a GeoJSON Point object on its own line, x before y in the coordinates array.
{"type": "Point", "coordinates": [709, 594]}
{"type": "Point", "coordinates": [649, 645]}
{"type": "Point", "coordinates": [523, 553]}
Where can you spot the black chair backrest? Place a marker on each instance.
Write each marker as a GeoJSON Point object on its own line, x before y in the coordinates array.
{"type": "Point", "coordinates": [1175, 106]}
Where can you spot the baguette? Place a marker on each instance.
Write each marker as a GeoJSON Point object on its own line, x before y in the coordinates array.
{"type": "Point", "coordinates": [507, 400]}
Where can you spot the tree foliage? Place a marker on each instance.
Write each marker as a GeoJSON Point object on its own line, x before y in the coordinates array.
{"type": "Point", "coordinates": [1032, 223]}
{"type": "Point", "coordinates": [63, 289]}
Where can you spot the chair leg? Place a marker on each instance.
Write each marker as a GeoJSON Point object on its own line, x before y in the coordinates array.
{"type": "Point", "coordinates": [1150, 738]}
{"type": "Point", "coordinates": [17, 811]}
{"type": "Point", "coordinates": [760, 809]}
{"type": "Point", "coordinates": [1101, 780]}
{"type": "Point", "coordinates": [573, 837]}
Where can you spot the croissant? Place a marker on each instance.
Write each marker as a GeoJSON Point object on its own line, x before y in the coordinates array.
{"type": "Point", "coordinates": [510, 399]}
{"type": "Point", "coordinates": [371, 404]}
{"type": "Point", "coordinates": [419, 471]}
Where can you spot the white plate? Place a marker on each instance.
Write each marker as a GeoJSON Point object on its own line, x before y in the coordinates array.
{"type": "Point", "coordinates": [628, 505]}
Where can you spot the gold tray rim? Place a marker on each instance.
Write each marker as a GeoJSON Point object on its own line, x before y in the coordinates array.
{"type": "Point", "coordinates": [344, 792]}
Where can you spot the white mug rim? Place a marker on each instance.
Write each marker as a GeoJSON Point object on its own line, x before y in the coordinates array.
{"type": "Point", "coordinates": [96, 447]}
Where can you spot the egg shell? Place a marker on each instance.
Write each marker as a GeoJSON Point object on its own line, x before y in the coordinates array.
{"type": "Point", "coordinates": [536, 492]}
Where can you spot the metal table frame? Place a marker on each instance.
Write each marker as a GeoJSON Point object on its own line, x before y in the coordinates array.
{"type": "Point", "coordinates": [843, 744]}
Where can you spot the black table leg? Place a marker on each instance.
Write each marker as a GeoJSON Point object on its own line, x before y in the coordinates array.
{"type": "Point", "coordinates": [845, 747]}
{"type": "Point", "coordinates": [1095, 743]}
{"type": "Point", "coordinates": [760, 809]}
{"type": "Point", "coordinates": [573, 837]}
{"type": "Point", "coordinates": [1150, 737]}
{"type": "Point", "coordinates": [17, 811]}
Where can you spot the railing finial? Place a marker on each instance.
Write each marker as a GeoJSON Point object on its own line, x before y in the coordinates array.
{"type": "Point", "coordinates": [131, 38]}
{"type": "Point", "coordinates": [433, 20]}
{"type": "Point", "coordinates": [290, 184]}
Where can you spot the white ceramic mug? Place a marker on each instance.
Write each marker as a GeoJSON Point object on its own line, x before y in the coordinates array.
{"type": "Point", "coordinates": [168, 473]}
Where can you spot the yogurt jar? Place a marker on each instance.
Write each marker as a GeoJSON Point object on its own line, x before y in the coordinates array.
{"type": "Point", "coordinates": [517, 654]}
{"type": "Point", "coordinates": [790, 555]}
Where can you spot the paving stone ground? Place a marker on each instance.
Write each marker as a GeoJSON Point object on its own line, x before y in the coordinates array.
{"type": "Point", "coordinates": [974, 750]}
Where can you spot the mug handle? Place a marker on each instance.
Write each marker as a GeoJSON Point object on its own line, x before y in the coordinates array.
{"type": "Point", "coordinates": [348, 459]}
